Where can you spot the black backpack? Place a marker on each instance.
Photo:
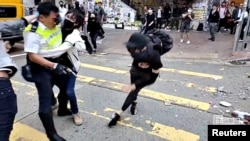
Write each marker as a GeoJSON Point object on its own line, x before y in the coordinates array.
{"type": "Point", "coordinates": [161, 40]}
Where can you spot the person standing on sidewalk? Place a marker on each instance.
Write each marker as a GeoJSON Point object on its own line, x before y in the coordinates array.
{"type": "Point", "coordinates": [213, 20]}
{"type": "Point", "coordinates": [42, 36]}
{"type": "Point", "coordinates": [8, 100]}
{"type": "Point", "coordinates": [187, 17]}
{"type": "Point", "coordinates": [100, 14]}
{"type": "Point", "coordinates": [159, 16]}
{"type": "Point", "coordinates": [150, 21]}
{"type": "Point", "coordinates": [222, 12]}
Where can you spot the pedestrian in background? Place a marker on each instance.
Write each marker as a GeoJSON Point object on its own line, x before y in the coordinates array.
{"type": "Point", "coordinates": [187, 17]}
{"type": "Point", "coordinates": [213, 20]}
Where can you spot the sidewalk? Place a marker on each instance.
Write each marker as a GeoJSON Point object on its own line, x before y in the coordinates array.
{"type": "Point", "coordinates": [200, 48]}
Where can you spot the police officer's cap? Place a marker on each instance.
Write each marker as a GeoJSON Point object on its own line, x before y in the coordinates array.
{"type": "Point", "coordinates": [137, 40]}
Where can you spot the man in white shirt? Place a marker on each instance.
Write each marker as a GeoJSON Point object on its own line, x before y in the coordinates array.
{"type": "Point", "coordinates": [222, 12]}
{"type": "Point", "coordinates": [159, 17]}
{"type": "Point", "coordinates": [236, 16]}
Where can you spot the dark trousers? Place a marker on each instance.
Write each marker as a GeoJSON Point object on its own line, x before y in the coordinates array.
{"type": "Point", "coordinates": [44, 80]}
{"type": "Point", "coordinates": [159, 23]}
{"type": "Point", "coordinates": [93, 36]}
{"type": "Point", "coordinates": [212, 29]}
{"type": "Point", "coordinates": [136, 76]}
{"type": "Point", "coordinates": [222, 23]}
{"type": "Point", "coordinates": [242, 30]}
{"type": "Point", "coordinates": [8, 108]}
{"type": "Point", "coordinates": [233, 27]}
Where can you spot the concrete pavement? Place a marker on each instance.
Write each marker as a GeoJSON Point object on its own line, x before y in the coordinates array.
{"type": "Point", "coordinates": [200, 48]}
{"type": "Point", "coordinates": [179, 106]}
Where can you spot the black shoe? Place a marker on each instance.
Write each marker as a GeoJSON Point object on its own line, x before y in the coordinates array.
{"type": "Point", "coordinates": [133, 109]}
{"type": "Point", "coordinates": [115, 118]}
{"type": "Point", "coordinates": [66, 112]}
{"type": "Point", "coordinates": [48, 124]}
{"type": "Point", "coordinates": [56, 137]}
{"type": "Point", "coordinates": [94, 50]}
{"type": "Point", "coordinates": [212, 39]}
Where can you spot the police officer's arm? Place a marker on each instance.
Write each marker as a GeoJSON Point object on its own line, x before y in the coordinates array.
{"type": "Point", "coordinates": [12, 26]}
{"type": "Point", "coordinates": [32, 46]}
{"type": "Point", "coordinates": [41, 61]}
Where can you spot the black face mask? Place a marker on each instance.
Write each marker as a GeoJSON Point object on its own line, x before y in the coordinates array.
{"type": "Point", "coordinates": [57, 20]}
{"type": "Point", "coordinates": [141, 56]}
{"type": "Point", "coordinates": [68, 24]}
{"type": "Point", "coordinates": [92, 19]}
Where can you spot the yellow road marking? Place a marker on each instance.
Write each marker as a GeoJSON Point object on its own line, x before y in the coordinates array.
{"type": "Point", "coordinates": [152, 94]}
{"type": "Point", "coordinates": [189, 85]}
{"type": "Point", "coordinates": [32, 90]}
{"type": "Point", "coordinates": [101, 68]}
{"type": "Point", "coordinates": [162, 131]}
{"type": "Point", "coordinates": [171, 133]}
{"type": "Point", "coordinates": [22, 132]}
{"type": "Point", "coordinates": [191, 73]}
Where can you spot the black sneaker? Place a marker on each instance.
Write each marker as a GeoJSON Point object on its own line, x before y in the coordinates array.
{"type": "Point", "coordinates": [133, 109]}
{"type": "Point", "coordinates": [66, 112]}
{"type": "Point", "coordinates": [115, 118]}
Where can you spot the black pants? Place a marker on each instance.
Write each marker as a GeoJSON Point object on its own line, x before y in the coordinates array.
{"type": "Point", "coordinates": [136, 76]}
{"type": "Point", "coordinates": [222, 23]}
{"type": "Point", "coordinates": [242, 30]}
{"type": "Point", "coordinates": [93, 36]}
{"type": "Point", "coordinates": [8, 108]}
{"type": "Point", "coordinates": [233, 27]}
{"type": "Point", "coordinates": [159, 23]}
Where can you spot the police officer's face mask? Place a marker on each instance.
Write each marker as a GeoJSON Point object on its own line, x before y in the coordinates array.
{"type": "Point", "coordinates": [57, 20]}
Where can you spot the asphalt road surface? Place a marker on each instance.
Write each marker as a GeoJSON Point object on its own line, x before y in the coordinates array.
{"type": "Point", "coordinates": [178, 107]}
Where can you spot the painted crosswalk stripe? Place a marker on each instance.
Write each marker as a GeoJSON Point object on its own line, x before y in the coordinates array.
{"type": "Point", "coordinates": [148, 93]}
{"type": "Point", "coordinates": [187, 84]}
{"type": "Point", "coordinates": [161, 130]}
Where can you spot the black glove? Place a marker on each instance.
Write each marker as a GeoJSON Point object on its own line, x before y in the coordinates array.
{"type": "Point", "coordinates": [60, 69]}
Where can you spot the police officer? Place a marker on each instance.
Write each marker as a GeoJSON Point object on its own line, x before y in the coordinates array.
{"type": "Point", "coordinates": [144, 71]}
{"type": "Point", "coordinates": [8, 101]}
{"type": "Point", "coordinates": [45, 35]}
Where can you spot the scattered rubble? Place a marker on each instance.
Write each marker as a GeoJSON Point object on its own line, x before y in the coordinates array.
{"type": "Point", "coordinates": [225, 104]}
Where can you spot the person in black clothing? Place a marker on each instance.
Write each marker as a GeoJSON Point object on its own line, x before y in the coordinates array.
{"type": "Point", "coordinates": [150, 21]}
{"type": "Point", "coordinates": [167, 14]}
{"type": "Point", "coordinates": [94, 29]}
{"type": "Point", "coordinates": [144, 71]}
{"type": "Point", "coordinates": [213, 20]}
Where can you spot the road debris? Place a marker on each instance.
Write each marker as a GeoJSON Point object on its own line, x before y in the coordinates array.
{"type": "Point", "coordinates": [225, 104]}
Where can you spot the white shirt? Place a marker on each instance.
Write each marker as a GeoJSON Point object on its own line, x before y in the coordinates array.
{"type": "Point", "coordinates": [222, 12]}
{"type": "Point", "coordinates": [239, 13]}
{"type": "Point", "coordinates": [243, 16]}
{"type": "Point", "coordinates": [159, 13]}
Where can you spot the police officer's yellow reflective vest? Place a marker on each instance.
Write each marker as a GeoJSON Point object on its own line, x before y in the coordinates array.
{"type": "Point", "coordinates": [53, 37]}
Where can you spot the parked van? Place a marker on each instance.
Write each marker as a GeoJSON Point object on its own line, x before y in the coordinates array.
{"type": "Point", "coordinates": [12, 9]}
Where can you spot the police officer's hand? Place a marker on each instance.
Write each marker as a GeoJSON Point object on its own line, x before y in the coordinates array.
{"type": "Point", "coordinates": [60, 69]}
